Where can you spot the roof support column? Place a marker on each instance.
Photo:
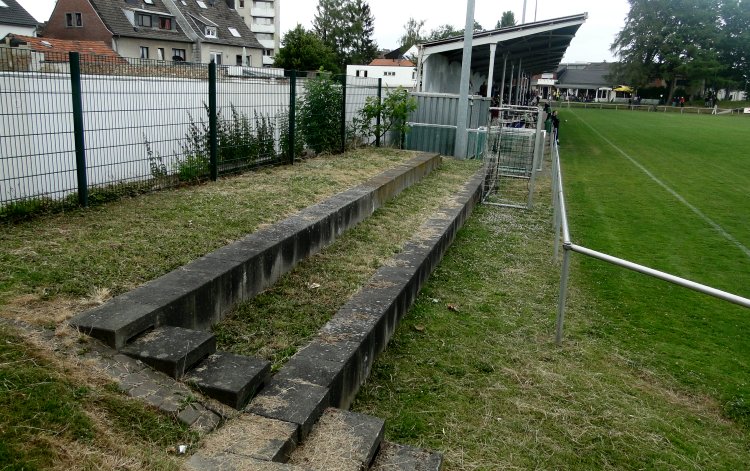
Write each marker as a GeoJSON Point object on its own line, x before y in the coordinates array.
{"type": "Point", "coordinates": [519, 85]}
{"type": "Point", "coordinates": [491, 73]}
{"type": "Point", "coordinates": [510, 91]}
{"type": "Point", "coordinates": [462, 137]}
{"type": "Point", "coordinates": [502, 82]}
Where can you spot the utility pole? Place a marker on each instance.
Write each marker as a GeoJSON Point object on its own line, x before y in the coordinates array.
{"type": "Point", "coordinates": [523, 17]}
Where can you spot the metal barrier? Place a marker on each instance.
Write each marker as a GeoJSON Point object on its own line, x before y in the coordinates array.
{"type": "Point", "coordinates": [562, 235]}
{"type": "Point", "coordinates": [81, 127]}
{"type": "Point", "coordinates": [652, 108]}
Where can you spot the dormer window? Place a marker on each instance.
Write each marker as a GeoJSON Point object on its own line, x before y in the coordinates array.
{"type": "Point", "coordinates": [211, 32]}
{"type": "Point", "coordinates": [144, 21]}
{"type": "Point", "coordinates": [165, 23]}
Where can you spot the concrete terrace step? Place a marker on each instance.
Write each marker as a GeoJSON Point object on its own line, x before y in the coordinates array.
{"type": "Point", "coordinates": [230, 379]}
{"type": "Point", "coordinates": [232, 462]}
{"type": "Point", "coordinates": [393, 457]}
{"type": "Point", "coordinates": [340, 441]}
{"type": "Point", "coordinates": [172, 350]}
{"type": "Point", "coordinates": [200, 293]}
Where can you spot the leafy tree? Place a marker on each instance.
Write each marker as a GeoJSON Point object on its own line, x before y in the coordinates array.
{"type": "Point", "coordinates": [734, 42]}
{"type": "Point", "coordinates": [393, 110]}
{"type": "Point", "coordinates": [668, 39]}
{"type": "Point", "coordinates": [347, 27]}
{"type": "Point", "coordinates": [448, 31]}
{"type": "Point", "coordinates": [304, 50]}
{"type": "Point", "coordinates": [412, 33]}
{"type": "Point", "coordinates": [508, 19]}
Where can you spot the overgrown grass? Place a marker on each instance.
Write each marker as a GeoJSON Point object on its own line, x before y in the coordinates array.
{"type": "Point", "coordinates": [52, 417]}
{"type": "Point", "coordinates": [276, 322]}
{"type": "Point", "coordinates": [59, 259]}
{"type": "Point", "coordinates": [617, 208]}
{"type": "Point", "coordinates": [484, 383]}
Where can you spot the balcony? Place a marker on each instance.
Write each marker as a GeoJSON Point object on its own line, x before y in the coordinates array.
{"type": "Point", "coordinates": [267, 43]}
{"type": "Point", "coordinates": [263, 28]}
{"type": "Point", "coordinates": [267, 60]}
{"type": "Point", "coordinates": [263, 12]}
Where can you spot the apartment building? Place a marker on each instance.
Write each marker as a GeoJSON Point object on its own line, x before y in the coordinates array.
{"type": "Point", "coordinates": [262, 17]}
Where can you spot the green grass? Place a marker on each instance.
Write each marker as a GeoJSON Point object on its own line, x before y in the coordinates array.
{"type": "Point", "coordinates": [649, 376]}
{"type": "Point", "coordinates": [616, 208]}
{"type": "Point", "coordinates": [118, 246]}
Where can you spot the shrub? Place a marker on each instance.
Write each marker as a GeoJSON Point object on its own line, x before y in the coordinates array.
{"type": "Point", "coordinates": [320, 114]}
{"type": "Point", "coordinates": [393, 110]}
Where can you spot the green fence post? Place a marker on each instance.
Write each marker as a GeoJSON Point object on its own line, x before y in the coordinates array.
{"type": "Point", "coordinates": [212, 126]}
{"type": "Point", "coordinates": [75, 82]}
{"type": "Point", "coordinates": [377, 119]}
{"type": "Point", "coordinates": [292, 113]}
{"type": "Point", "coordinates": [343, 113]}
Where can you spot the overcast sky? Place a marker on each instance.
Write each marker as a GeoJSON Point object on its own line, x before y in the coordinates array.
{"type": "Point", "coordinates": [606, 18]}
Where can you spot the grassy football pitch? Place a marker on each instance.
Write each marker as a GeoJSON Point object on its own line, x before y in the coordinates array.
{"type": "Point", "coordinates": [671, 192]}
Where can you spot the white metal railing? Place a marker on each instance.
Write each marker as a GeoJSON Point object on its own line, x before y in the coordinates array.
{"type": "Point", "coordinates": [657, 108]}
{"type": "Point", "coordinates": [562, 234]}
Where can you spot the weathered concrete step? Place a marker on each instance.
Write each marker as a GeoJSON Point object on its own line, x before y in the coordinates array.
{"type": "Point", "coordinates": [297, 401]}
{"type": "Point", "coordinates": [230, 379]}
{"type": "Point", "coordinates": [251, 436]}
{"type": "Point", "coordinates": [341, 441]}
{"type": "Point", "coordinates": [232, 462]}
{"type": "Point", "coordinates": [200, 293]}
{"type": "Point", "coordinates": [172, 350]}
{"type": "Point", "coordinates": [393, 457]}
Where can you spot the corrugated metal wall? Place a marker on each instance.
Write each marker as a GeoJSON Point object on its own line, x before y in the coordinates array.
{"type": "Point", "coordinates": [434, 123]}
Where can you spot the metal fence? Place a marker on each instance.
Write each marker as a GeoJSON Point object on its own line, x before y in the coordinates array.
{"type": "Point", "coordinates": [79, 127]}
{"type": "Point", "coordinates": [651, 108]}
{"type": "Point", "coordinates": [562, 236]}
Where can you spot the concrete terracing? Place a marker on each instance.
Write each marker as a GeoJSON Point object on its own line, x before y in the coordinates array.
{"type": "Point", "coordinates": [202, 292]}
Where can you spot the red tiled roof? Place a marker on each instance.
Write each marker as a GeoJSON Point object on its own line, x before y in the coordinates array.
{"type": "Point", "coordinates": [393, 62]}
{"type": "Point", "coordinates": [57, 49]}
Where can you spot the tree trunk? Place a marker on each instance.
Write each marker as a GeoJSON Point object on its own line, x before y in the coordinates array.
{"type": "Point", "coordinates": [672, 88]}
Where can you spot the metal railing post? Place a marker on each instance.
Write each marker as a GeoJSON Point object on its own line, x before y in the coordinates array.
{"type": "Point", "coordinates": [78, 129]}
{"type": "Point", "coordinates": [563, 295]}
{"type": "Point", "coordinates": [212, 125]}
{"type": "Point", "coordinates": [343, 113]}
{"type": "Point", "coordinates": [534, 161]}
{"type": "Point", "coordinates": [377, 119]}
{"type": "Point", "coordinates": [292, 114]}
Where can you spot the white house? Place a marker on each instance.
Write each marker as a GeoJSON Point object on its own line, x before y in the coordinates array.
{"type": "Point", "coordinates": [394, 72]}
{"type": "Point", "coordinates": [15, 20]}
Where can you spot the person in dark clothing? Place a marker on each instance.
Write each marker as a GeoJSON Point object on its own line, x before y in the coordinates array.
{"type": "Point", "coordinates": [483, 89]}
{"type": "Point", "coordinates": [555, 126]}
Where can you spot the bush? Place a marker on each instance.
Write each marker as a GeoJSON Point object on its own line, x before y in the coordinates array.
{"type": "Point", "coordinates": [393, 111]}
{"type": "Point", "coordinates": [320, 114]}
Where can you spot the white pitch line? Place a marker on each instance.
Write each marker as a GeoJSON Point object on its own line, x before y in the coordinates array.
{"type": "Point", "coordinates": [678, 196]}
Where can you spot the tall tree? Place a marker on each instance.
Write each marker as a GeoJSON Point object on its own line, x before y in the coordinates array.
{"type": "Point", "coordinates": [412, 33]}
{"type": "Point", "coordinates": [347, 27]}
{"type": "Point", "coordinates": [449, 31]}
{"type": "Point", "coordinates": [734, 42]}
{"type": "Point", "coordinates": [668, 39]}
{"type": "Point", "coordinates": [360, 46]}
{"type": "Point", "coordinates": [508, 19]}
{"type": "Point", "coordinates": [304, 50]}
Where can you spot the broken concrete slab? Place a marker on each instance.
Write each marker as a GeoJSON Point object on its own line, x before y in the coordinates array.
{"type": "Point", "coordinates": [230, 379]}
{"type": "Point", "coordinates": [253, 436]}
{"type": "Point", "coordinates": [172, 350]}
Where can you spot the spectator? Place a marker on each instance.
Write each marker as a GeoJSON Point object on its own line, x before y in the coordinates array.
{"type": "Point", "coordinates": [556, 126]}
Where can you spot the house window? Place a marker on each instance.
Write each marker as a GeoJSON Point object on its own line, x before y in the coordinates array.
{"type": "Point", "coordinates": [3, 4]}
{"type": "Point", "coordinates": [234, 32]}
{"type": "Point", "coordinates": [144, 52]}
{"type": "Point", "coordinates": [249, 61]}
{"type": "Point", "coordinates": [178, 55]}
{"type": "Point", "coordinates": [216, 57]}
{"type": "Point", "coordinates": [160, 53]}
{"type": "Point", "coordinates": [165, 23]}
{"type": "Point", "coordinates": [211, 32]}
{"type": "Point", "coordinates": [263, 21]}
{"type": "Point", "coordinates": [144, 20]}
{"type": "Point", "coordinates": [238, 59]}
{"type": "Point", "coordinates": [242, 3]}
{"type": "Point", "coordinates": [73, 20]}
{"type": "Point", "coordinates": [264, 36]}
